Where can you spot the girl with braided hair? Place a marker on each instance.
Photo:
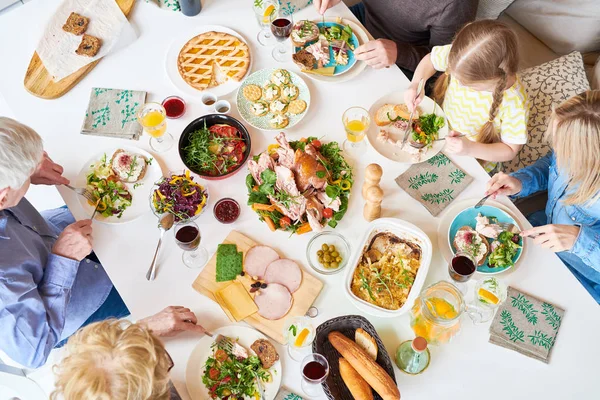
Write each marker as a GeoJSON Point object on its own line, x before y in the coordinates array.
{"type": "Point", "coordinates": [480, 93]}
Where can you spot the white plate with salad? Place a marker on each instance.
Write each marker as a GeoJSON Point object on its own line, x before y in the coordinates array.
{"type": "Point", "coordinates": [389, 119]}
{"type": "Point", "coordinates": [209, 372]}
{"type": "Point", "coordinates": [121, 180]}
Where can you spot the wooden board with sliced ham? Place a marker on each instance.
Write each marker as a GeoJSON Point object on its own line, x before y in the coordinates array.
{"type": "Point", "coordinates": [291, 291]}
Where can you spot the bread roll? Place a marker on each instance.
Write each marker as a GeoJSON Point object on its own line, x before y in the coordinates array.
{"type": "Point", "coordinates": [366, 342]}
{"type": "Point", "coordinates": [359, 388]}
{"type": "Point", "coordinates": [371, 372]}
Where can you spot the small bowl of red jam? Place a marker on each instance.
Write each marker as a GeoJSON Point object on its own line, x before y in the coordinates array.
{"type": "Point", "coordinates": [226, 210]}
{"type": "Point", "coordinates": [174, 106]}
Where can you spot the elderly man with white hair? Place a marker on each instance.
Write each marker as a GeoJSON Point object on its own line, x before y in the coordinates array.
{"type": "Point", "coordinates": [50, 282]}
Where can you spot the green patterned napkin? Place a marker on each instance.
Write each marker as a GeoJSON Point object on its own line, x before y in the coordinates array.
{"type": "Point", "coordinates": [285, 394]}
{"type": "Point", "coordinates": [171, 5]}
{"type": "Point", "coordinates": [113, 113]}
{"type": "Point", "coordinates": [527, 325]}
{"type": "Point", "coordinates": [434, 183]}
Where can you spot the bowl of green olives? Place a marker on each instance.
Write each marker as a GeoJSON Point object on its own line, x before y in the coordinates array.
{"type": "Point", "coordinates": [328, 252]}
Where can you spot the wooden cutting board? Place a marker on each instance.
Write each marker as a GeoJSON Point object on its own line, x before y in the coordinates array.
{"type": "Point", "coordinates": [39, 82]}
{"type": "Point", "coordinates": [304, 297]}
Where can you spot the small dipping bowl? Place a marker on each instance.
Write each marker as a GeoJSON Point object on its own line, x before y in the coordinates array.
{"type": "Point", "coordinates": [330, 238]}
{"type": "Point", "coordinates": [226, 210]}
{"type": "Point", "coordinates": [174, 107]}
{"type": "Point", "coordinates": [209, 99]}
{"type": "Point", "coordinates": [222, 107]}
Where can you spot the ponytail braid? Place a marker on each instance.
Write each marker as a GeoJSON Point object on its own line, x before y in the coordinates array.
{"type": "Point", "coordinates": [488, 133]}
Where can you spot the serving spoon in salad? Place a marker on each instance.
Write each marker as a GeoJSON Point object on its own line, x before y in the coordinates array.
{"type": "Point", "coordinates": [164, 224]}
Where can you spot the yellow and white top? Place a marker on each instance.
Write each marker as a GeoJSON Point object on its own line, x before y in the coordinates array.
{"type": "Point", "coordinates": [467, 110]}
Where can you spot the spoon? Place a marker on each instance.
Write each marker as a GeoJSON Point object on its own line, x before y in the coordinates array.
{"type": "Point", "coordinates": [164, 224]}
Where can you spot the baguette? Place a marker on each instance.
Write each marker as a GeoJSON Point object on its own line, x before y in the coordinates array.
{"type": "Point", "coordinates": [370, 371]}
{"type": "Point", "coordinates": [359, 388]}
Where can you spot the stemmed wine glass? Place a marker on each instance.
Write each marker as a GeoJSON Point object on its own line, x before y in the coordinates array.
{"type": "Point", "coordinates": [315, 370]}
{"type": "Point", "coordinates": [356, 123]}
{"type": "Point", "coordinates": [281, 27]}
{"type": "Point", "coordinates": [187, 236]}
{"type": "Point", "coordinates": [153, 118]}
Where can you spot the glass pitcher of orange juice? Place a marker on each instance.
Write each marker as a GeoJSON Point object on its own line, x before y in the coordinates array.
{"type": "Point", "coordinates": [436, 313]}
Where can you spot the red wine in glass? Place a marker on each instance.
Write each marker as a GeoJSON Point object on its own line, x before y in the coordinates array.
{"type": "Point", "coordinates": [462, 267]}
{"type": "Point", "coordinates": [314, 370]}
{"type": "Point", "coordinates": [281, 28]}
{"type": "Point", "coordinates": [188, 237]}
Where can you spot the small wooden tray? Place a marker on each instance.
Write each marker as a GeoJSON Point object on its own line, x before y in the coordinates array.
{"type": "Point", "coordinates": [39, 82]}
{"type": "Point", "coordinates": [304, 297]}
{"type": "Point", "coordinates": [334, 387]}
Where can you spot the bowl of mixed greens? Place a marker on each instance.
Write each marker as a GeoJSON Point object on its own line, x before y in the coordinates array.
{"type": "Point", "coordinates": [214, 146]}
{"type": "Point", "coordinates": [180, 194]}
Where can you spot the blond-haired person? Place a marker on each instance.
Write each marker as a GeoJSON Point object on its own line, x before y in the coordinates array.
{"type": "Point", "coordinates": [570, 224]}
{"type": "Point", "coordinates": [115, 359]}
{"type": "Point", "coordinates": [50, 284]}
{"type": "Point", "coordinates": [480, 93]}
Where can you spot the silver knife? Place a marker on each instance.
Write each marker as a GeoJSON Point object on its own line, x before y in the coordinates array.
{"type": "Point", "coordinates": [409, 127]}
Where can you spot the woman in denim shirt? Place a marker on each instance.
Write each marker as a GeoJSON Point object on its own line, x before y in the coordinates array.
{"type": "Point", "coordinates": [570, 225]}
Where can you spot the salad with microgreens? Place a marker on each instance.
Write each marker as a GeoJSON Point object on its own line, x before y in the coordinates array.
{"type": "Point", "coordinates": [425, 129]}
{"type": "Point", "coordinates": [300, 186]}
{"type": "Point", "coordinates": [214, 151]}
{"type": "Point", "coordinates": [110, 195]}
{"type": "Point", "coordinates": [504, 249]}
{"type": "Point", "coordinates": [231, 376]}
{"type": "Point", "coordinates": [179, 195]}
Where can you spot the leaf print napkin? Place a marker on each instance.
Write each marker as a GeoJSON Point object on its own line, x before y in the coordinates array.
{"type": "Point", "coordinates": [113, 113]}
{"type": "Point", "coordinates": [285, 394]}
{"type": "Point", "coordinates": [434, 183]}
{"type": "Point", "coordinates": [170, 5]}
{"type": "Point", "coordinates": [527, 325]}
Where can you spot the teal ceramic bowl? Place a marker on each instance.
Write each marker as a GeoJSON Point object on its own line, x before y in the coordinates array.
{"type": "Point", "coordinates": [467, 218]}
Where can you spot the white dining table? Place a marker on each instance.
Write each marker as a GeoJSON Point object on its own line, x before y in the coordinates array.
{"type": "Point", "coordinates": [467, 368]}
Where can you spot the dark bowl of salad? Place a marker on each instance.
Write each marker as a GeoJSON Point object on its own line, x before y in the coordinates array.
{"type": "Point", "coordinates": [214, 146]}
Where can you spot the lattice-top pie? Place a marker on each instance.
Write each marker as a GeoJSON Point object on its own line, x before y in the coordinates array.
{"type": "Point", "coordinates": [212, 58]}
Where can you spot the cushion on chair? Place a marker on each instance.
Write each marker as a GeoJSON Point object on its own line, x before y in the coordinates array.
{"type": "Point", "coordinates": [491, 9]}
{"type": "Point", "coordinates": [563, 25]}
{"type": "Point", "coordinates": [546, 85]}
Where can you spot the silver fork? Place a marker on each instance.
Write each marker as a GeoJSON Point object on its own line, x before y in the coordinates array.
{"type": "Point", "coordinates": [507, 226]}
{"type": "Point", "coordinates": [81, 191]}
{"type": "Point", "coordinates": [88, 195]}
{"type": "Point", "coordinates": [483, 200]}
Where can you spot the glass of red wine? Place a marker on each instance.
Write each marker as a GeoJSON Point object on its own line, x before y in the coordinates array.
{"type": "Point", "coordinates": [315, 370]}
{"type": "Point", "coordinates": [461, 269]}
{"type": "Point", "coordinates": [281, 27]}
{"type": "Point", "coordinates": [187, 236]}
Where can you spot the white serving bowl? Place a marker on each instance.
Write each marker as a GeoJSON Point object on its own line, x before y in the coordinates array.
{"type": "Point", "coordinates": [404, 230]}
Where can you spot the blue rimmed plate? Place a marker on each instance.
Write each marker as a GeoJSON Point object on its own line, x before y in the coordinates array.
{"type": "Point", "coordinates": [467, 218]}
{"type": "Point", "coordinates": [339, 69]}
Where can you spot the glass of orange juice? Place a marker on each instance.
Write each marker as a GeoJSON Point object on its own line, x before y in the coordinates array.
{"type": "Point", "coordinates": [356, 123]}
{"type": "Point", "coordinates": [153, 117]}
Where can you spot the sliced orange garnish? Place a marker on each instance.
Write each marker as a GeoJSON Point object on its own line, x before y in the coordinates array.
{"type": "Point", "coordinates": [488, 296]}
{"type": "Point", "coordinates": [301, 337]}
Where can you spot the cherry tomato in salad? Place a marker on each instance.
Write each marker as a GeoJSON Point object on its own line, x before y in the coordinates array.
{"type": "Point", "coordinates": [316, 143]}
{"type": "Point", "coordinates": [285, 222]}
{"type": "Point", "coordinates": [220, 355]}
{"type": "Point", "coordinates": [213, 373]}
{"type": "Point", "coordinates": [328, 213]}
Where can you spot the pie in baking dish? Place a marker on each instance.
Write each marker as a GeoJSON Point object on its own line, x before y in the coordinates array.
{"type": "Point", "coordinates": [212, 58]}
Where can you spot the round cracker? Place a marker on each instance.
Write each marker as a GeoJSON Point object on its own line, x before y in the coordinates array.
{"type": "Point", "coordinates": [297, 107]}
{"type": "Point", "coordinates": [252, 92]}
